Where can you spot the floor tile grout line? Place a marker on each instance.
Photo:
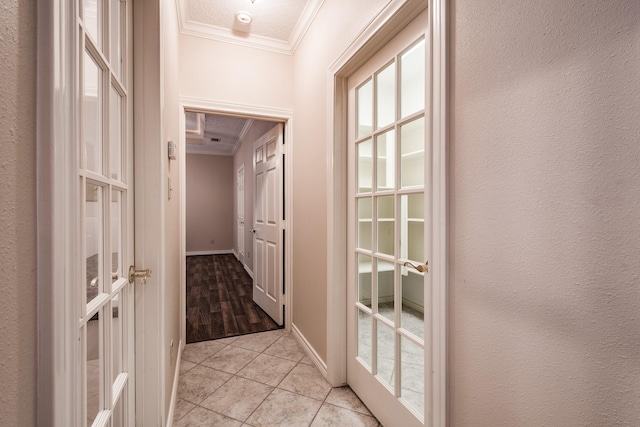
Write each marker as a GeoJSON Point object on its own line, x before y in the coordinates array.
{"type": "Point", "coordinates": [296, 364]}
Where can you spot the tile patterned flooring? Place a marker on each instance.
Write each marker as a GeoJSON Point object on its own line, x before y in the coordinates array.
{"type": "Point", "coordinates": [262, 379]}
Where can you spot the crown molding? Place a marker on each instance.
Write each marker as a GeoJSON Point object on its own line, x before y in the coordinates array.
{"type": "Point", "coordinates": [226, 35]}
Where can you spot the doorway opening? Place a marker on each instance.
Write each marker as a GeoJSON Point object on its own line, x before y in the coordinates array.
{"type": "Point", "coordinates": [218, 254]}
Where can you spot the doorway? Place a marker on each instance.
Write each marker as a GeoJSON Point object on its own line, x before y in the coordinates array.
{"type": "Point", "coordinates": [392, 218]}
{"type": "Point", "coordinates": [229, 264]}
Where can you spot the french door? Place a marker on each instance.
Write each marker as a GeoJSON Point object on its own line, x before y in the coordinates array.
{"type": "Point", "coordinates": [389, 343]}
{"type": "Point", "coordinates": [103, 289]}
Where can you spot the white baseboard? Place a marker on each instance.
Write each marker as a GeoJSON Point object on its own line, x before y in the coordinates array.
{"type": "Point", "coordinates": [174, 390]}
{"type": "Point", "coordinates": [235, 253]}
{"type": "Point", "coordinates": [311, 353]}
{"type": "Point", "coordinates": [221, 252]}
{"type": "Point", "coordinates": [246, 268]}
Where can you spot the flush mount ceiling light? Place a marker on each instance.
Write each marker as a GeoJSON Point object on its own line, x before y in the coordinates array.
{"type": "Point", "coordinates": [243, 18]}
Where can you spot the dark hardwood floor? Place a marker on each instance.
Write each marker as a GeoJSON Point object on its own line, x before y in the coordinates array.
{"type": "Point", "coordinates": [220, 300]}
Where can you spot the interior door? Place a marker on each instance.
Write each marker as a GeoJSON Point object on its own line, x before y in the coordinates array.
{"type": "Point", "coordinates": [388, 335]}
{"type": "Point", "coordinates": [240, 207]}
{"type": "Point", "coordinates": [105, 327]}
{"type": "Point", "coordinates": [267, 242]}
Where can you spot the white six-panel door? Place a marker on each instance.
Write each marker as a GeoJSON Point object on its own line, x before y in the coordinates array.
{"type": "Point", "coordinates": [267, 218]}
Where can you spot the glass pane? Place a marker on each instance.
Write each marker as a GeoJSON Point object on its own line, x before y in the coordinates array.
{"type": "Point", "coordinates": [116, 336]}
{"type": "Point", "coordinates": [412, 151]}
{"type": "Point", "coordinates": [412, 284]}
{"type": "Point", "coordinates": [412, 377]}
{"type": "Point", "coordinates": [116, 40]}
{"type": "Point", "coordinates": [364, 280]}
{"type": "Point", "coordinates": [412, 80]}
{"type": "Point", "coordinates": [92, 115]}
{"type": "Point", "coordinates": [364, 337]}
{"type": "Point", "coordinates": [386, 160]}
{"type": "Point", "coordinates": [386, 96]}
{"type": "Point", "coordinates": [386, 291]}
{"type": "Point", "coordinates": [386, 221]}
{"type": "Point", "coordinates": [386, 353]}
{"type": "Point", "coordinates": [116, 236]}
{"type": "Point", "coordinates": [115, 136]}
{"type": "Point", "coordinates": [93, 229]}
{"type": "Point", "coordinates": [93, 348]}
{"type": "Point", "coordinates": [365, 166]}
{"type": "Point", "coordinates": [93, 19]}
{"type": "Point", "coordinates": [412, 227]}
{"type": "Point", "coordinates": [364, 101]}
{"type": "Point", "coordinates": [364, 223]}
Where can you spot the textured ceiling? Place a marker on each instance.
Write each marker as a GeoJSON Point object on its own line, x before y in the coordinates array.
{"type": "Point", "coordinates": [276, 25]}
{"type": "Point", "coordinates": [221, 135]}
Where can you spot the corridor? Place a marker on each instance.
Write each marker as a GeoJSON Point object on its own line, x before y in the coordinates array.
{"type": "Point", "coordinates": [262, 379]}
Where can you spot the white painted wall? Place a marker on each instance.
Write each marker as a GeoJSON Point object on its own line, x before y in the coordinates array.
{"type": "Point", "coordinates": [18, 313]}
{"type": "Point", "coordinates": [171, 131]}
{"type": "Point", "coordinates": [545, 213]}
{"type": "Point", "coordinates": [227, 73]}
{"type": "Point", "coordinates": [335, 27]}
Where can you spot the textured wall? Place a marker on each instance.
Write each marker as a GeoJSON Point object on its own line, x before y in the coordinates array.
{"type": "Point", "coordinates": [210, 196]}
{"type": "Point", "coordinates": [545, 213]}
{"type": "Point", "coordinates": [337, 24]}
{"type": "Point", "coordinates": [18, 213]}
{"type": "Point", "coordinates": [171, 131]}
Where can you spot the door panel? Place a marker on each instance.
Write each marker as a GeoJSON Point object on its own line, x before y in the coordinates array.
{"type": "Point", "coordinates": [388, 300]}
{"type": "Point", "coordinates": [105, 187]}
{"type": "Point", "coordinates": [267, 289]}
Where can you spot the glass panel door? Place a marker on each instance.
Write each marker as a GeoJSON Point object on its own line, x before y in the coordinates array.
{"type": "Point", "coordinates": [105, 178]}
{"type": "Point", "coordinates": [388, 240]}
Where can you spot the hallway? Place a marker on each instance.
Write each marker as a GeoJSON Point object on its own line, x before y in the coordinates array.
{"type": "Point", "coordinates": [262, 379]}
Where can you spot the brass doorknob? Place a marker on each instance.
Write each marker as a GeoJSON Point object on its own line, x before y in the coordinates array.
{"type": "Point", "coordinates": [422, 268]}
{"type": "Point", "coordinates": [143, 274]}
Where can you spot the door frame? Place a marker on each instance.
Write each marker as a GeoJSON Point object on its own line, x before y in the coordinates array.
{"type": "Point", "coordinates": [383, 28]}
{"type": "Point", "coordinates": [255, 112]}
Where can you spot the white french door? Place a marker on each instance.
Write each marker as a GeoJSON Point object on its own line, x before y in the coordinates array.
{"type": "Point", "coordinates": [389, 339]}
{"type": "Point", "coordinates": [267, 219]}
{"type": "Point", "coordinates": [104, 293]}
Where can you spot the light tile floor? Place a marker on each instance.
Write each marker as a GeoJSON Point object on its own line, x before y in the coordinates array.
{"type": "Point", "coordinates": [258, 380]}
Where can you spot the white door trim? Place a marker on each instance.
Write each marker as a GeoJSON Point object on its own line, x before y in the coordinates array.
{"type": "Point", "coordinates": [256, 112]}
{"type": "Point", "coordinates": [381, 29]}
{"type": "Point", "coordinates": [56, 198]}
{"type": "Point", "coordinates": [150, 164]}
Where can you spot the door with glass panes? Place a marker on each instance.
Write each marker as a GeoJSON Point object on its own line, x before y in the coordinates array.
{"type": "Point", "coordinates": [389, 342]}
{"type": "Point", "coordinates": [104, 292]}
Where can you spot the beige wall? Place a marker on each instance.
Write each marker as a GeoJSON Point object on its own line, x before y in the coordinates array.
{"type": "Point", "coordinates": [210, 200]}
{"type": "Point", "coordinates": [320, 48]}
{"type": "Point", "coordinates": [170, 131]}
{"type": "Point", "coordinates": [244, 155]}
{"type": "Point", "coordinates": [18, 313]}
{"type": "Point", "coordinates": [223, 72]}
{"type": "Point", "coordinates": [545, 213]}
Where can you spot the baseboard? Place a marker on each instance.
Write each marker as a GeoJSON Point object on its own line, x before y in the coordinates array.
{"type": "Point", "coordinates": [235, 253]}
{"type": "Point", "coordinates": [221, 252]}
{"type": "Point", "coordinates": [249, 272]}
{"type": "Point", "coordinates": [311, 353]}
{"type": "Point", "coordinates": [174, 390]}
